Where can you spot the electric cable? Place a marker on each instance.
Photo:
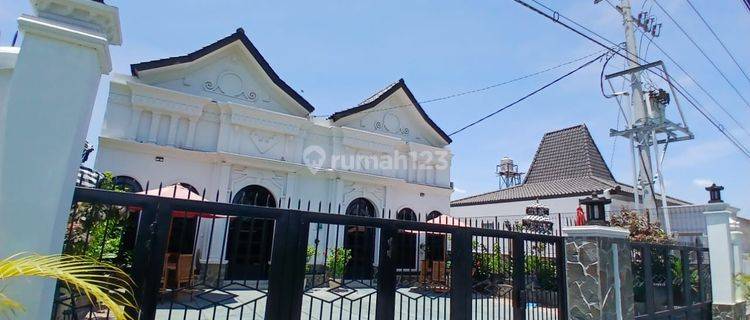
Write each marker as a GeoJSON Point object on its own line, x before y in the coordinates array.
{"type": "Point", "coordinates": [527, 95]}
{"type": "Point", "coordinates": [716, 36]}
{"type": "Point", "coordinates": [705, 55]}
{"type": "Point", "coordinates": [667, 78]}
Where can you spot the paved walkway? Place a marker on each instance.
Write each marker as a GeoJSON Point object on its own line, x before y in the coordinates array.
{"type": "Point", "coordinates": [319, 304]}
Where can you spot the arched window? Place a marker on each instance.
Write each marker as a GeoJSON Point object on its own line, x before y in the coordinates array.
{"type": "Point", "coordinates": [255, 195]}
{"type": "Point", "coordinates": [434, 243]}
{"type": "Point", "coordinates": [433, 215]}
{"type": "Point", "coordinates": [361, 241]}
{"type": "Point", "coordinates": [250, 239]}
{"type": "Point", "coordinates": [127, 184]}
{"type": "Point", "coordinates": [406, 242]}
{"type": "Point", "coordinates": [406, 214]}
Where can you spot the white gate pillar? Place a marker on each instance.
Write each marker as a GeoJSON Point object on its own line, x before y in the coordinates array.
{"type": "Point", "coordinates": [42, 129]}
{"type": "Point", "coordinates": [726, 304]}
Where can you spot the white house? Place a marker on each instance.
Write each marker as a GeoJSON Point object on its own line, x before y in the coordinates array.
{"type": "Point", "coordinates": [566, 168]}
{"type": "Point", "coordinates": [221, 119]}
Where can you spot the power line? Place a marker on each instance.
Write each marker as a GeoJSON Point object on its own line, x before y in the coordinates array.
{"type": "Point", "coordinates": [527, 95]}
{"type": "Point", "coordinates": [719, 39]}
{"type": "Point", "coordinates": [703, 89]}
{"type": "Point", "coordinates": [747, 103]}
{"type": "Point", "coordinates": [492, 86]}
{"type": "Point", "coordinates": [666, 77]}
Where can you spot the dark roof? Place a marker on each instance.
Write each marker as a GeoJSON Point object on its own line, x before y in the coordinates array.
{"type": "Point", "coordinates": [384, 93]}
{"type": "Point", "coordinates": [239, 35]}
{"type": "Point", "coordinates": [567, 164]}
{"type": "Point", "coordinates": [567, 153]}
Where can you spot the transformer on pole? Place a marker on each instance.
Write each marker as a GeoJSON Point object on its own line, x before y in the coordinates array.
{"type": "Point", "coordinates": [648, 128]}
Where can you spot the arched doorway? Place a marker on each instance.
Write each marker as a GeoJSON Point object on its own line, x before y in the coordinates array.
{"type": "Point", "coordinates": [127, 184]}
{"type": "Point", "coordinates": [434, 243]}
{"type": "Point", "coordinates": [406, 242]}
{"type": "Point", "coordinates": [361, 241]}
{"type": "Point", "coordinates": [130, 223]}
{"type": "Point", "coordinates": [183, 229]}
{"type": "Point", "coordinates": [249, 242]}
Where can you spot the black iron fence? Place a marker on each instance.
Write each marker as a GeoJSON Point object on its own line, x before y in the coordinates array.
{"type": "Point", "coordinates": [671, 281]}
{"type": "Point", "coordinates": [274, 260]}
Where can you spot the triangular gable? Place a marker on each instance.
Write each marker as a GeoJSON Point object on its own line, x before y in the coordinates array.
{"type": "Point", "coordinates": [238, 37]}
{"type": "Point", "coordinates": [370, 105]}
{"type": "Point", "coordinates": [567, 153]}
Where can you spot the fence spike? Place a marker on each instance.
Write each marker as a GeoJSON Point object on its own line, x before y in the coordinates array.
{"type": "Point", "coordinates": [147, 182]}
{"type": "Point", "coordinates": [159, 194]}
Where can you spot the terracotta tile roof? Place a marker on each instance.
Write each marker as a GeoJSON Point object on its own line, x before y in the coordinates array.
{"type": "Point", "coordinates": [567, 164]}
{"type": "Point", "coordinates": [567, 153]}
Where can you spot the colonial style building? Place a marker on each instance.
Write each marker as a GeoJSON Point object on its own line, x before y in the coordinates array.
{"type": "Point", "coordinates": [220, 118]}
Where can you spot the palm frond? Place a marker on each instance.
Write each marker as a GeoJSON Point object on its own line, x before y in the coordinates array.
{"type": "Point", "coordinates": [9, 307]}
{"type": "Point", "coordinates": [101, 283]}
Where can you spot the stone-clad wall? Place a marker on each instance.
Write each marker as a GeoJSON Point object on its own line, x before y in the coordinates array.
{"type": "Point", "coordinates": [591, 279]}
{"type": "Point", "coordinates": [728, 312]}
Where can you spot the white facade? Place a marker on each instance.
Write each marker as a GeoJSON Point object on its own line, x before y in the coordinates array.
{"type": "Point", "coordinates": [220, 123]}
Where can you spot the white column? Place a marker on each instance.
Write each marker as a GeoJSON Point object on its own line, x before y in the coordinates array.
{"type": "Point", "coordinates": [721, 251]}
{"type": "Point", "coordinates": [135, 119]}
{"type": "Point", "coordinates": [50, 97]}
{"type": "Point", "coordinates": [192, 124]}
{"type": "Point", "coordinates": [173, 119]}
{"type": "Point", "coordinates": [737, 257]}
{"type": "Point", "coordinates": [154, 130]}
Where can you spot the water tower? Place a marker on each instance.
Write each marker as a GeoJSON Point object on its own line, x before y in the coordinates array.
{"type": "Point", "coordinates": [508, 174]}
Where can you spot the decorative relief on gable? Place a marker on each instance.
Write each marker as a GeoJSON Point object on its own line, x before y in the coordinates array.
{"type": "Point", "coordinates": [264, 141]}
{"type": "Point", "coordinates": [243, 176]}
{"type": "Point", "coordinates": [387, 122]}
{"type": "Point", "coordinates": [231, 85]}
{"type": "Point", "coordinates": [354, 190]}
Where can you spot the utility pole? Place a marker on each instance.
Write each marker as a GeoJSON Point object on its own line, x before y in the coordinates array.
{"type": "Point", "coordinates": [641, 139]}
{"type": "Point", "coordinates": [649, 126]}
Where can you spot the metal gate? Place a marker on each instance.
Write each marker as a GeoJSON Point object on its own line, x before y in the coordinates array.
{"type": "Point", "coordinates": [176, 251]}
{"type": "Point", "coordinates": [671, 281]}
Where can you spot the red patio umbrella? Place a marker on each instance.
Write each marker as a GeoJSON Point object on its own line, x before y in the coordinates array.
{"type": "Point", "coordinates": [443, 220]}
{"type": "Point", "coordinates": [178, 191]}
{"type": "Point", "coordinates": [447, 220]}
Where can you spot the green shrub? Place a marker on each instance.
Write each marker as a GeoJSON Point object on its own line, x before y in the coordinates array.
{"type": "Point", "coordinates": [337, 261]}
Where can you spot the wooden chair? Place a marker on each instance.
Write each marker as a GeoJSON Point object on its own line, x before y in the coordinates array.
{"type": "Point", "coordinates": [439, 277]}
{"type": "Point", "coordinates": [424, 273]}
{"type": "Point", "coordinates": [169, 264]}
{"type": "Point", "coordinates": [184, 270]}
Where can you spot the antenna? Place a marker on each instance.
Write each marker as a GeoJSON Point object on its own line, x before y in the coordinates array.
{"type": "Point", "coordinates": [649, 126]}
{"type": "Point", "coordinates": [507, 173]}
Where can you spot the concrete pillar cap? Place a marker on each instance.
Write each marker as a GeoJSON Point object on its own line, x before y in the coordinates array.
{"type": "Point", "coordinates": [596, 231]}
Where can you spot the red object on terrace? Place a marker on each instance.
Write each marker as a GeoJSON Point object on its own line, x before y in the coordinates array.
{"type": "Point", "coordinates": [580, 217]}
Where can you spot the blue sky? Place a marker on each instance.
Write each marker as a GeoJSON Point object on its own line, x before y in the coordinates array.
{"type": "Point", "coordinates": [337, 53]}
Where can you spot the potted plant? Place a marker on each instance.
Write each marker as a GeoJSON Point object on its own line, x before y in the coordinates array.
{"type": "Point", "coordinates": [310, 253]}
{"type": "Point", "coordinates": [336, 265]}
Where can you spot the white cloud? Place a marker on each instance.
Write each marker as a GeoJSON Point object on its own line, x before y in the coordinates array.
{"type": "Point", "coordinates": [702, 182]}
{"type": "Point", "coordinates": [459, 190]}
